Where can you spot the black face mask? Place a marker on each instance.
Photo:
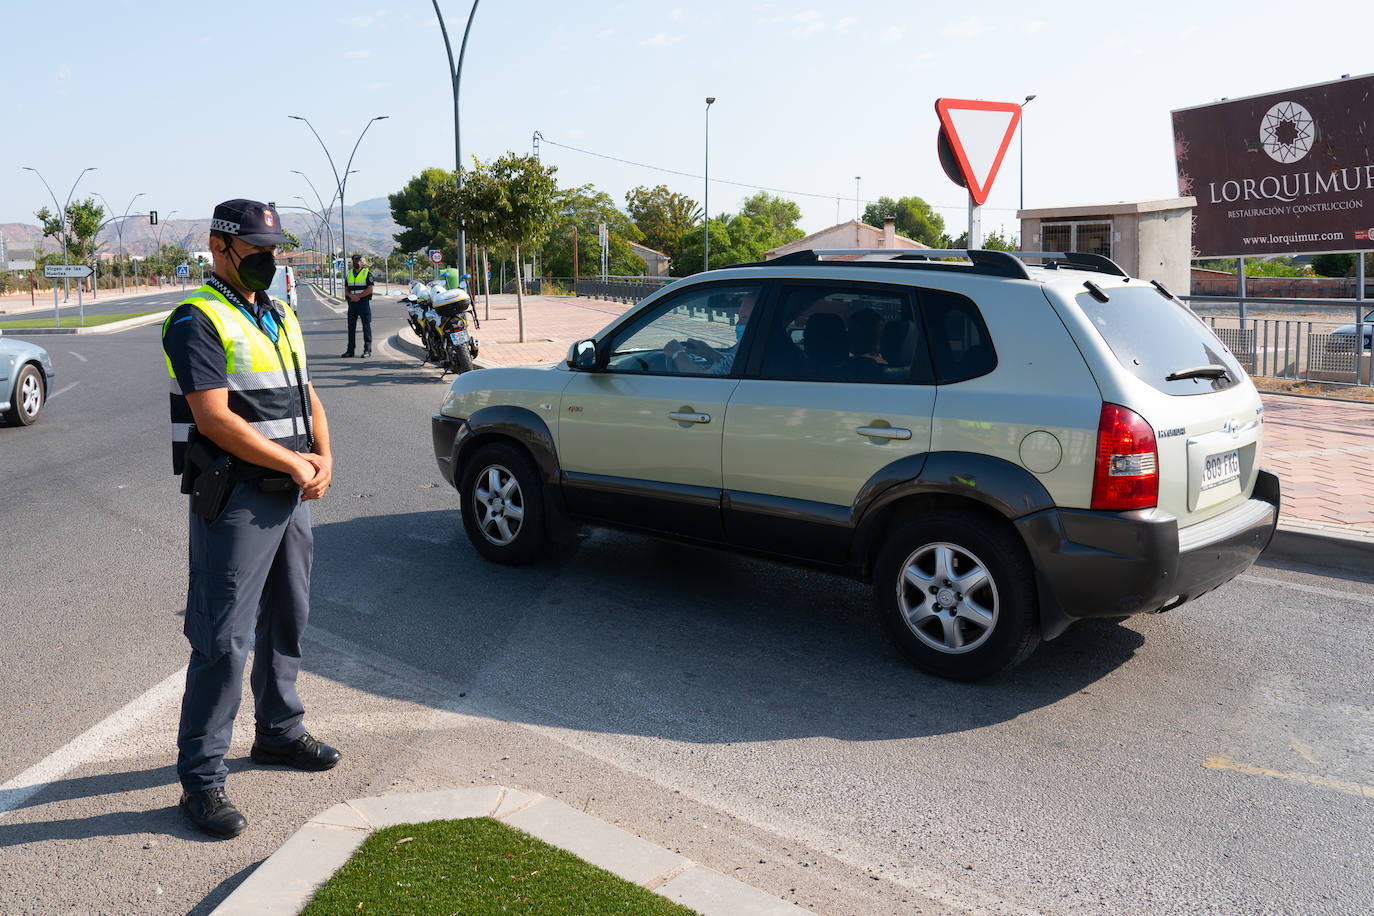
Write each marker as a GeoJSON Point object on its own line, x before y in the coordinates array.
{"type": "Point", "coordinates": [256, 271]}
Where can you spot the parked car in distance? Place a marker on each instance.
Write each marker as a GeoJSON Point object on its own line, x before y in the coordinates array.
{"type": "Point", "coordinates": [1348, 330]}
{"type": "Point", "coordinates": [283, 286]}
{"type": "Point", "coordinates": [26, 374]}
{"type": "Point", "coordinates": [1000, 443]}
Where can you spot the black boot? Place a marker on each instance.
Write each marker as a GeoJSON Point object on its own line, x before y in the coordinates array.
{"type": "Point", "coordinates": [305, 753]}
{"type": "Point", "coordinates": [367, 350]}
{"type": "Point", "coordinates": [347, 354]}
{"type": "Point", "coordinates": [213, 812]}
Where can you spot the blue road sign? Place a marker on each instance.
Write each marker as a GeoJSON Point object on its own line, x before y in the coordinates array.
{"type": "Point", "coordinates": [338, 262]}
{"type": "Point", "coordinates": [183, 270]}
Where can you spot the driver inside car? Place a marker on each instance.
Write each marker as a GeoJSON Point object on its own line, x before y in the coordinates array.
{"type": "Point", "coordinates": [698, 357]}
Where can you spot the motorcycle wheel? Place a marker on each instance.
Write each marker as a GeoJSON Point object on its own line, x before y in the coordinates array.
{"type": "Point", "coordinates": [459, 361]}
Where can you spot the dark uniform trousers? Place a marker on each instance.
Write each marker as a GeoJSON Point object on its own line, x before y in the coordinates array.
{"type": "Point", "coordinates": [249, 587]}
{"type": "Point", "coordinates": [360, 309]}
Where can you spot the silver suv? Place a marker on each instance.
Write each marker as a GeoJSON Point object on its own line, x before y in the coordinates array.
{"type": "Point", "coordinates": [1001, 444]}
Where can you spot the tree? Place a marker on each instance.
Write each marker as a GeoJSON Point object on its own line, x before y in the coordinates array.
{"type": "Point", "coordinates": [776, 217]}
{"type": "Point", "coordinates": [1338, 265]}
{"type": "Point", "coordinates": [993, 241]}
{"type": "Point", "coordinates": [915, 219]}
{"type": "Point", "coordinates": [514, 200]}
{"type": "Point", "coordinates": [586, 209]}
{"type": "Point", "coordinates": [291, 243]}
{"type": "Point", "coordinates": [664, 217]}
{"type": "Point", "coordinates": [424, 209]}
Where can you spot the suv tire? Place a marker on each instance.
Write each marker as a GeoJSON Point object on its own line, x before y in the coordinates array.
{"type": "Point", "coordinates": [502, 503]}
{"type": "Point", "coordinates": [957, 593]}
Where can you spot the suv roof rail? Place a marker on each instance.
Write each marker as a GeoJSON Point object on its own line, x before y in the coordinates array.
{"type": "Point", "coordinates": [980, 261]}
{"type": "Point", "coordinates": [1081, 259]}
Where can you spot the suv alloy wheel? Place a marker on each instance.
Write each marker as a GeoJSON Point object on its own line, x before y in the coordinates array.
{"type": "Point", "coordinates": [957, 593]}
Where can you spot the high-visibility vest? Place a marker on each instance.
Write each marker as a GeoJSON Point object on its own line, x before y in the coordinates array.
{"type": "Point", "coordinates": [264, 387]}
{"type": "Point", "coordinates": [357, 282]}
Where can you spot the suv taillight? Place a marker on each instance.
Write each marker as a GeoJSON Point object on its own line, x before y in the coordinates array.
{"type": "Point", "coordinates": [1126, 475]}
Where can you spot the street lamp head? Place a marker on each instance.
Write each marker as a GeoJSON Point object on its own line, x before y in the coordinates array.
{"type": "Point", "coordinates": [1030, 98]}
{"type": "Point", "coordinates": [710, 100]}
{"type": "Point", "coordinates": [296, 117]}
{"type": "Point", "coordinates": [381, 117]}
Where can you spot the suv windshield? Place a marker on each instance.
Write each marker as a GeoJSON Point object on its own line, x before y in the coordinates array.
{"type": "Point", "coordinates": [1161, 342]}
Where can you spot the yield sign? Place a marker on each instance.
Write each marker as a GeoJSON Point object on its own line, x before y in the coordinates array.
{"type": "Point", "coordinates": [978, 134]}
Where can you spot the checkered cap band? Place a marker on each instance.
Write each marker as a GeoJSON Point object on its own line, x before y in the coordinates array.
{"type": "Point", "coordinates": [224, 225]}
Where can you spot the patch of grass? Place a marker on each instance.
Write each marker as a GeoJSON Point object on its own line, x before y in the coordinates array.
{"type": "Point", "coordinates": [477, 866]}
{"type": "Point", "coordinates": [73, 321]}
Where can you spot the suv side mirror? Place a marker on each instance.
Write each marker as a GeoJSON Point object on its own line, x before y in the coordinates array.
{"type": "Point", "coordinates": [583, 355]}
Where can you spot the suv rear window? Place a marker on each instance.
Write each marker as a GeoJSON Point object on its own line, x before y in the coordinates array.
{"type": "Point", "coordinates": [1154, 337]}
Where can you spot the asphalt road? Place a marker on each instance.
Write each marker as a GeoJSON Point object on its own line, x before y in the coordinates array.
{"type": "Point", "coordinates": [752, 717]}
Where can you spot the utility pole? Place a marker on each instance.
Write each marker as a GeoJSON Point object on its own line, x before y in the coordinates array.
{"type": "Point", "coordinates": [706, 195]}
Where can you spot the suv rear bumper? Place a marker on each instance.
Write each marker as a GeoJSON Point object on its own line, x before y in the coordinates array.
{"type": "Point", "coordinates": [1112, 564]}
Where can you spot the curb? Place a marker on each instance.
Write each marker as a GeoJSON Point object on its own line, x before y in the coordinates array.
{"type": "Point", "coordinates": [113, 327]}
{"type": "Point", "coordinates": [286, 880]}
{"type": "Point", "coordinates": [404, 340]}
{"type": "Point", "coordinates": [1321, 545]}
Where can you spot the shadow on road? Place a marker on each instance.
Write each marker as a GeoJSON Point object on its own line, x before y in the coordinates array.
{"type": "Point", "coordinates": [637, 636]}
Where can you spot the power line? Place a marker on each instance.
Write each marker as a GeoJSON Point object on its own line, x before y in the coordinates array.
{"type": "Point", "coordinates": [738, 184]}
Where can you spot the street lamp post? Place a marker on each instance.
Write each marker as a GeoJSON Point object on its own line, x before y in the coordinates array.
{"type": "Point", "coordinates": [62, 215]}
{"type": "Point", "coordinates": [341, 183]}
{"type": "Point", "coordinates": [1022, 156]}
{"type": "Point", "coordinates": [706, 193]}
{"type": "Point", "coordinates": [119, 231]}
{"type": "Point", "coordinates": [327, 214]}
{"type": "Point", "coordinates": [857, 214]}
{"type": "Point", "coordinates": [456, 78]}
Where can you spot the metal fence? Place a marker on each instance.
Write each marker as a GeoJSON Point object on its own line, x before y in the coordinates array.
{"type": "Point", "coordinates": [1299, 348]}
{"type": "Point", "coordinates": [620, 289]}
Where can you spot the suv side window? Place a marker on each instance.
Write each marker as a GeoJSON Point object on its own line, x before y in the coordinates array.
{"type": "Point", "coordinates": [845, 332]}
{"type": "Point", "coordinates": [959, 341]}
{"type": "Point", "coordinates": [698, 332]}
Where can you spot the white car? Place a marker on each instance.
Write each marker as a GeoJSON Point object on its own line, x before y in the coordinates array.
{"type": "Point", "coordinates": [26, 374]}
{"type": "Point", "coordinates": [284, 286]}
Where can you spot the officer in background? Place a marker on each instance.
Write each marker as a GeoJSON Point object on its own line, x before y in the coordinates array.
{"type": "Point", "coordinates": [251, 440]}
{"type": "Point", "coordinates": [358, 288]}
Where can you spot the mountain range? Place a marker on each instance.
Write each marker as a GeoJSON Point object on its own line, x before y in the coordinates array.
{"type": "Point", "coordinates": [369, 224]}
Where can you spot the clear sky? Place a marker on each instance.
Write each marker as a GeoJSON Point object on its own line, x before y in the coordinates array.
{"type": "Point", "coordinates": [188, 102]}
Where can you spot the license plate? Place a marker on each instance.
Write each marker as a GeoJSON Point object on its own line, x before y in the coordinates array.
{"type": "Point", "coordinates": [459, 337]}
{"type": "Point", "coordinates": [1221, 469]}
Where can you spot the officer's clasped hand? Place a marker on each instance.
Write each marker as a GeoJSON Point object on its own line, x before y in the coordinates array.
{"type": "Point", "coordinates": [314, 484]}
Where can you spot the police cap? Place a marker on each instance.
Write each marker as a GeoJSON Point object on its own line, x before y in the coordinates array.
{"type": "Point", "coordinates": [253, 221]}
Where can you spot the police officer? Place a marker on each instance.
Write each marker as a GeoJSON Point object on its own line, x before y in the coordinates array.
{"type": "Point", "coordinates": [250, 437]}
{"type": "Point", "coordinates": [358, 288]}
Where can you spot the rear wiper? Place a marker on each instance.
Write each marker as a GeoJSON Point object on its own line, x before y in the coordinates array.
{"type": "Point", "coordinates": [1212, 371]}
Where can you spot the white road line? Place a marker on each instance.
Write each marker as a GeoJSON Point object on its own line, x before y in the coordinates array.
{"type": "Point", "coordinates": [61, 390]}
{"type": "Point", "coordinates": [1309, 589]}
{"type": "Point", "coordinates": [78, 356]}
{"type": "Point", "coordinates": [88, 745]}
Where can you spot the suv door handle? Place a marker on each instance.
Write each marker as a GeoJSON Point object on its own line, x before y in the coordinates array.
{"type": "Point", "coordinates": [884, 432]}
{"type": "Point", "coordinates": [690, 417]}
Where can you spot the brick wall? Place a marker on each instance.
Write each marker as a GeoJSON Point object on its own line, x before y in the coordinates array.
{"type": "Point", "coordinates": [1210, 283]}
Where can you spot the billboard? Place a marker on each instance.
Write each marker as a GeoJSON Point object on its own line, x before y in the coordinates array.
{"type": "Point", "coordinates": [1290, 172]}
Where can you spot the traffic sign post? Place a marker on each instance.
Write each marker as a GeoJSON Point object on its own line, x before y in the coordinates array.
{"type": "Point", "coordinates": [183, 271]}
{"type": "Point", "coordinates": [67, 272]}
{"type": "Point", "coordinates": [973, 139]}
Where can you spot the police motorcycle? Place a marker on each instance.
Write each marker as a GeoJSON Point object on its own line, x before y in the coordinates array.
{"type": "Point", "coordinates": [453, 308]}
